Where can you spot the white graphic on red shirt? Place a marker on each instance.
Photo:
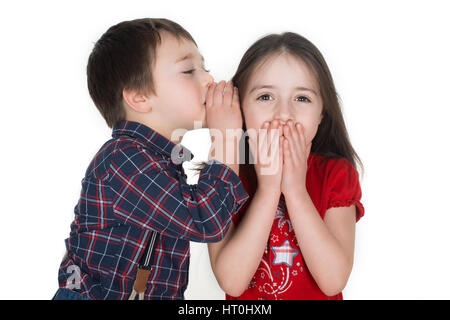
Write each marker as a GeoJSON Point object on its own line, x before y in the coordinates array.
{"type": "Point", "coordinates": [284, 254]}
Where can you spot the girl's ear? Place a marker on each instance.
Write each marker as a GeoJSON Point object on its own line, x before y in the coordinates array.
{"type": "Point", "coordinates": [137, 101]}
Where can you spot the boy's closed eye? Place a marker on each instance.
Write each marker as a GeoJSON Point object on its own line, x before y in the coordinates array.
{"type": "Point", "coordinates": [191, 71]}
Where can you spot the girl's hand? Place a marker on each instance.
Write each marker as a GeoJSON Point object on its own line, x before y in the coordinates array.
{"type": "Point", "coordinates": [265, 145]}
{"type": "Point", "coordinates": [296, 152]}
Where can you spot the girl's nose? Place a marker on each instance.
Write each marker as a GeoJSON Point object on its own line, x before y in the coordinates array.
{"type": "Point", "coordinates": [283, 114]}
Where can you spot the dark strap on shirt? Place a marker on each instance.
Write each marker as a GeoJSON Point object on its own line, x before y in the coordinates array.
{"type": "Point", "coordinates": [145, 267]}
{"type": "Point", "coordinates": [147, 258]}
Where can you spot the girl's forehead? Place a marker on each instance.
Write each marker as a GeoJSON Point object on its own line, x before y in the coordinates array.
{"type": "Point", "coordinates": [284, 68]}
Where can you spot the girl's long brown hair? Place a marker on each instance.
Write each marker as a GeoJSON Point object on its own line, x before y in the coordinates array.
{"type": "Point", "coordinates": [332, 138]}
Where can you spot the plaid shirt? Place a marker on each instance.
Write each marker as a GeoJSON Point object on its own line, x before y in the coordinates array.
{"type": "Point", "coordinates": [130, 189]}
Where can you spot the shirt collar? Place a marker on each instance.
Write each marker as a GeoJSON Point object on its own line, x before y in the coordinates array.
{"type": "Point", "coordinates": [153, 140]}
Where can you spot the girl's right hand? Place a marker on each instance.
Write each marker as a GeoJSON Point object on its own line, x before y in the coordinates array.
{"type": "Point", "coordinates": [265, 145]}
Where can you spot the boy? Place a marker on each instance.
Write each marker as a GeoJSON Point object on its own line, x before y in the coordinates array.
{"type": "Point", "coordinates": [147, 79]}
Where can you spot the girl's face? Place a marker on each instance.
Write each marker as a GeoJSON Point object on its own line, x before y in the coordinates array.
{"type": "Point", "coordinates": [283, 88]}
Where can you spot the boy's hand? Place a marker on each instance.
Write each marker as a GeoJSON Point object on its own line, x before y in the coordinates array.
{"type": "Point", "coordinates": [223, 114]}
{"type": "Point", "coordinates": [222, 107]}
{"type": "Point", "coordinates": [295, 157]}
{"type": "Point", "coordinates": [265, 145]}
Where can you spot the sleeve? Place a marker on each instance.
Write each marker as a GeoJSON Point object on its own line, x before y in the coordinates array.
{"type": "Point", "coordinates": [343, 187]}
{"type": "Point", "coordinates": [250, 188]}
{"type": "Point", "coordinates": [237, 217]}
{"type": "Point", "coordinates": [157, 199]}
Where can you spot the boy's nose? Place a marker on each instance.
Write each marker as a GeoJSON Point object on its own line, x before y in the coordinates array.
{"type": "Point", "coordinates": [208, 80]}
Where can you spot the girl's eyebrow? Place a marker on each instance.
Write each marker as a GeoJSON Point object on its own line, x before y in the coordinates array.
{"type": "Point", "coordinates": [306, 89]}
{"type": "Point", "coordinates": [257, 87]}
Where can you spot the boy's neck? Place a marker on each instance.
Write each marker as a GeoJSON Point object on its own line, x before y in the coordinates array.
{"type": "Point", "coordinates": [174, 135]}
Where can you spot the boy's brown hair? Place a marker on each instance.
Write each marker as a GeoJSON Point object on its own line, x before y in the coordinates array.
{"type": "Point", "coordinates": [123, 58]}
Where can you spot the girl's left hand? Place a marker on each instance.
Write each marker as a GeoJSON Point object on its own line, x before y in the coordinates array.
{"type": "Point", "coordinates": [295, 157]}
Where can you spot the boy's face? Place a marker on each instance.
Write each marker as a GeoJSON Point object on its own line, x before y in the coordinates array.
{"type": "Point", "coordinates": [181, 83]}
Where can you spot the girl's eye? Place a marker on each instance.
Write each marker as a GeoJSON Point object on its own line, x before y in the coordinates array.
{"type": "Point", "coordinates": [303, 99]}
{"type": "Point", "coordinates": [265, 97]}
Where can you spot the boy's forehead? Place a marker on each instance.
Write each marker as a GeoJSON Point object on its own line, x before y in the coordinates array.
{"type": "Point", "coordinates": [176, 49]}
{"type": "Point", "coordinates": [189, 55]}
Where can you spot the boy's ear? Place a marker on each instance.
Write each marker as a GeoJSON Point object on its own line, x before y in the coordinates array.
{"type": "Point", "coordinates": [138, 101]}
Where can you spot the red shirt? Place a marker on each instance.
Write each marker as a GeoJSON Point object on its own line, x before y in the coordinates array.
{"type": "Point", "coordinates": [282, 273]}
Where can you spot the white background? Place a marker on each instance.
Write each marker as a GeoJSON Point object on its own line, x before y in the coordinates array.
{"type": "Point", "coordinates": [390, 62]}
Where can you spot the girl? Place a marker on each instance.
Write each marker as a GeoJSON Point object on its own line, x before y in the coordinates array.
{"type": "Point", "coordinates": [294, 238]}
